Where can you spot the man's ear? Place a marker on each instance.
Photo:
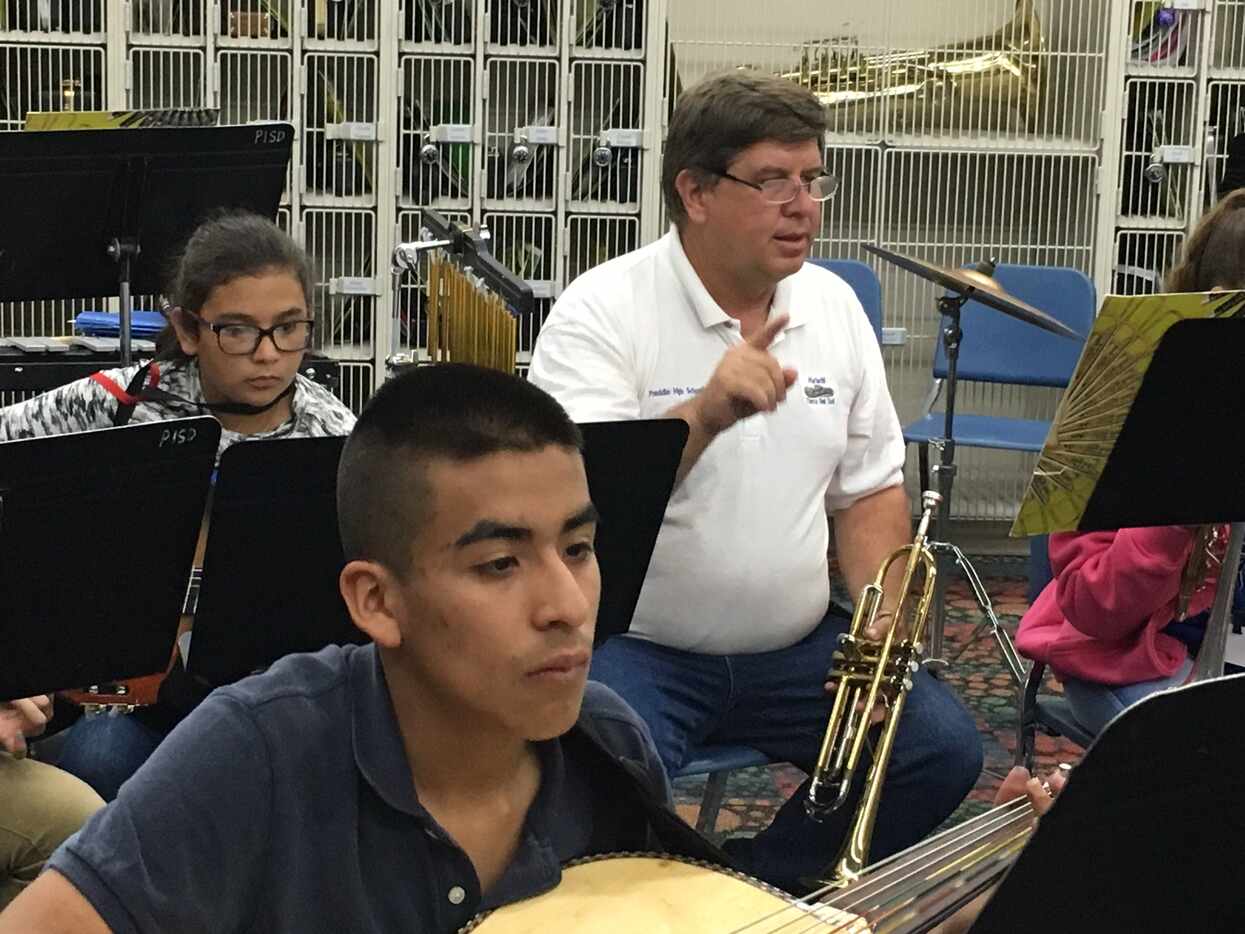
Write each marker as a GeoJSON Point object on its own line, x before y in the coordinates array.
{"type": "Point", "coordinates": [694, 186]}
{"type": "Point", "coordinates": [187, 330]}
{"type": "Point", "coordinates": [374, 600]}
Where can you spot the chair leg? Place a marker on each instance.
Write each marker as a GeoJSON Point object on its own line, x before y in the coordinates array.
{"type": "Point", "coordinates": [1027, 727]}
{"type": "Point", "coordinates": [922, 456]}
{"type": "Point", "coordinates": [711, 802]}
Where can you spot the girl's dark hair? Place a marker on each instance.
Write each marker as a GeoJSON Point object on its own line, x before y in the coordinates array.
{"type": "Point", "coordinates": [227, 246]}
{"type": "Point", "coordinates": [1214, 255]}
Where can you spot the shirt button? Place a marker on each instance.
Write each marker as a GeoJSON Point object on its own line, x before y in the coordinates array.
{"type": "Point", "coordinates": [456, 895]}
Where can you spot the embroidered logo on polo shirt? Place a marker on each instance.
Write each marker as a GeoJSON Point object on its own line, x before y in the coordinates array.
{"type": "Point", "coordinates": [817, 392]}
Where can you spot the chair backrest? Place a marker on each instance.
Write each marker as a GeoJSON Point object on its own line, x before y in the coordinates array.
{"type": "Point", "coordinates": [998, 348]}
{"type": "Point", "coordinates": [864, 282]}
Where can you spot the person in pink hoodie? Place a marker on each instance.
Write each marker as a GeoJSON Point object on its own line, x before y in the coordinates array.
{"type": "Point", "coordinates": [1121, 619]}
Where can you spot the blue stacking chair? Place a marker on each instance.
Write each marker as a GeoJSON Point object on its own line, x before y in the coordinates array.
{"type": "Point", "coordinates": [997, 348]}
{"type": "Point", "coordinates": [717, 762]}
{"type": "Point", "coordinates": [1050, 714]}
{"type": "Point", "coordinates": [864, 282]}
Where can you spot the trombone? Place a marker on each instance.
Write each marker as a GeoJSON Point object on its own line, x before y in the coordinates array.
{"type": "Point", "coordinates": [869, 670]}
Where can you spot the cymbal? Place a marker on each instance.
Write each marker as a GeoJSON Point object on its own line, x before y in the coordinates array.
{"type": "Point", "coordinates": [978, 287]}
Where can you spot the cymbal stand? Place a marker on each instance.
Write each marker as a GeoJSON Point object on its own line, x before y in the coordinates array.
{"type": "Point", "coordinates": [945, 551]}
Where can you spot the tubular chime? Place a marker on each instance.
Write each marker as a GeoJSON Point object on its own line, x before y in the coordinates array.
{"type": "Point", "coordinates": [467, 323]}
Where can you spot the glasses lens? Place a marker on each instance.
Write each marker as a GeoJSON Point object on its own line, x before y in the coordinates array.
{"type": "Point", "coordinates": [823, 187]}
{"type": "Point", "coordinates": [237, 338]}
{"type": "Point", "coordinates": [294, 335]}
{"type": "Point", "coordinates": [778, 190]}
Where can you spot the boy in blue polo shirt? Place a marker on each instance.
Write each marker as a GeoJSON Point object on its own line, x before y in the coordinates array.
{"type": "Point", "coordinates": [452, 765]}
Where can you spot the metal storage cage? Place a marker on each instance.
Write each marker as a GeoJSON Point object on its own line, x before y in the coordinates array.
{"type": "Point", "coordinates": [1023, 129]}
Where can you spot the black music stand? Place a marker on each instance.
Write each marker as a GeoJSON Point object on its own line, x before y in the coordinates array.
{"type": "Point", "coordinates": [100, 212]}
{"type": "Point", "coordinates": [1190, 391]}
{"type": "Point", "coordinates": [274, 553]}
{"type": "Point", "coordinates": [272, 560]}
{"type": "Point", "coordinates": [631, 470]}
{"type": "Point", "coordinates": [97, 536]}
{"type": "Point", "coordinates": [1136, 841]}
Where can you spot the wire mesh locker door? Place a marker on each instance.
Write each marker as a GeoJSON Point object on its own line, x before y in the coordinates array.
{"type": "Point", "coordinates": [1142, 260]}
{"type": "Point", "coordinates": [342, 247]}
{"type": "Point", "coordinates": [593, 240]}
{"type": "Point", "coordinates": [609, 28]}
{"type": "Point", "coordinates": [524, 26]}
{"type": "Point", "coordinates": [521, 134]}
{"type": "Point", "coordinates": [255, 86]}
{"type": "Point", "coordinates": [50, 79]}
{"type": "Point", "coordinates": [1229, 40]}
{"type": "Point", "coordinates": [448, 25]}
{"type": "Point", "coordinates": [526, 244]}
{"type": "Point", "coordinates": [1225, 155]}
{"type": "Point", "coordinates": [957, 207]}
{"type": "Point", "coordinates": [437, 120]}
{"type": "Point", "coordinates": [338, 21]}
{"type": "Point", "coordinates": [606, 136]}
{"type": "Point", "coordinates": [358, 381]}
{"type": "Point", "coordinates": [166, 79]}
{"type": "Point", "coordinates": [167, 20]}
{"type": "Point", "coordinates": [410, 333]}
{"type": "Point", "coordinates": [261, 20]}
{"type": "Point", "coordinates": [1158, 151]}
{"type": "Point", "coordinates": [1162, 38]}
{"type": "Point", "coordinates": [339, 135]}
{"type": "Point", "coordinates": [69, 17]}
{"type": "Point", "coordinates": [850, 218]}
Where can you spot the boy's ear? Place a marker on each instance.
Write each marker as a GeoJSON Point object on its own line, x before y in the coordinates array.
{"type": "Point", "coordinates": [374, 599]}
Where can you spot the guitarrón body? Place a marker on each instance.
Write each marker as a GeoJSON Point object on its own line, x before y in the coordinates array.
{"type": "Point", "coordinates": [653, 894]}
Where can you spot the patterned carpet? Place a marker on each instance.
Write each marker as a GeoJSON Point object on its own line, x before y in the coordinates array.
{"type": "Point", "coordinates": [979, 677]}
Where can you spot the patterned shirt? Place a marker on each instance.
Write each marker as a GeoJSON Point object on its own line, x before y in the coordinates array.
{"type": "Point", "coordinates": [84, 405]}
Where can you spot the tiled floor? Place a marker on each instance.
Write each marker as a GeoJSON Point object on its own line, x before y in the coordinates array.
{"type": "Point", "coordinates": [979, 677]}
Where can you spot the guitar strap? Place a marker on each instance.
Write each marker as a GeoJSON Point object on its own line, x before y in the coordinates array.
{"type": "Point", "coordinates": [629, 815]}
{"type": "Point", "coordinates": [149, 374]}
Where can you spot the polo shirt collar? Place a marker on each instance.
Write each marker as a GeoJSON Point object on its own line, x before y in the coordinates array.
{"type": "Point", "coordinates": [378, 749]}
{"type": "Point", "coordinates": [709, 311]}
{"type": "Point", "coordinates": [381, 756]}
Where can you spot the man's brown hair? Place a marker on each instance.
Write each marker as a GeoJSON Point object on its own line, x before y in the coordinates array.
{"type": "Point", "coordinates": [723, 115]}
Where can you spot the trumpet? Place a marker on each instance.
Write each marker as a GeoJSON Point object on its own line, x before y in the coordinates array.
{"type": "Point", "coordinates": [869, 671]}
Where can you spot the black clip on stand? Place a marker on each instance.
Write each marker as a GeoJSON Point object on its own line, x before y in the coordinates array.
{"type": "Point", "coordinates": [122, 251]}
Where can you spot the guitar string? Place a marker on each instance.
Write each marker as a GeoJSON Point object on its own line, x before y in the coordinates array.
{"type": "Point", "coordinates": [918, 855]}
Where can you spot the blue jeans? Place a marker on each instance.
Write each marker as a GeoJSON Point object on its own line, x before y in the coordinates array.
{"type": "Point", "coordinates": [775, 702]}
{"type": "Point", "coordinates": [1095, 705]}
{"type": "Point", "coordinates": [105, 750]}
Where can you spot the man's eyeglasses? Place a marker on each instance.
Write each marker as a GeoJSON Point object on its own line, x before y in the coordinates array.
{"type": "Point", "coordinates": [243, 339]}
{"type": "Point", "coordinates": [783, 190]}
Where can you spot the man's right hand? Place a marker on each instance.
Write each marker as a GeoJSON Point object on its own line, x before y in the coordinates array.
{"type": "Point", "coordinates": [747, 380]}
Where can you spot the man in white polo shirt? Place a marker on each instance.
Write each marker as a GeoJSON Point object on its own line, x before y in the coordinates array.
{"type": "Point", "coordinates": [775, 368]}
